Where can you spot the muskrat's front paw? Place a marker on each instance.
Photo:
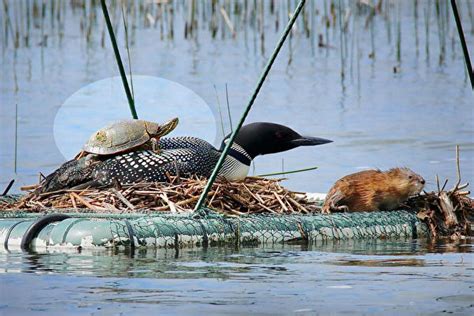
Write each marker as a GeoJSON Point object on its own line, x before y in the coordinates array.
{"type": "Point", "coordinates": [342, 208]}
{"type": "Point", "coordinates": [326, 210]}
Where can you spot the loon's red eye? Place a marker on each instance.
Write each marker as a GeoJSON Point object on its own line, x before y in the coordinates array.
{"type": "Point", "coordinates": [279, 135]}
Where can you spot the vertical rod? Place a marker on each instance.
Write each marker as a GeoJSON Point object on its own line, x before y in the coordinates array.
{"type": "Point", "coordinates": [131, 103]}
{"type": "Point", "coordinates": [268, 66]}
{"type": "Point", "coordinates": [463, 42]}
{"type": "Point", "coordinates": [9, 186]}
{"type": "Point", "coordinates": [16, 138]}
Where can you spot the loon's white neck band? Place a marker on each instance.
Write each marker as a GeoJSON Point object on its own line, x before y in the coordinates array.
{"type": "Point", "coordinates": [236, 151]}
{"type": "Point", "coordinates": [237, 163]}
{"type": "Point", "coordinates": [233, 169]}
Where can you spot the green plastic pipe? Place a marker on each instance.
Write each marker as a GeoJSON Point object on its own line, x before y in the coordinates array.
{"type": "Point", "coordinates": [203, 197]}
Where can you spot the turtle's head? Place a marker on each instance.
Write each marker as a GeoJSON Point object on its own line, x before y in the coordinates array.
{"type": "Point", "coordinates": [159, 130]}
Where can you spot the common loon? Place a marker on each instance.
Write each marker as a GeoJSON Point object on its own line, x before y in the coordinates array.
{"type": "Point", "coordinates": [183, 155]}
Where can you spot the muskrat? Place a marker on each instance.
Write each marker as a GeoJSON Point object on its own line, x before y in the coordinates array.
{"type": "Point", "coordinates": [373, 190]}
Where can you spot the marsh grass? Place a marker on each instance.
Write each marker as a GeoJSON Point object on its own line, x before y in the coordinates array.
{"type": "Point", "coordinates": [399, 34]}
{"type": "Point", "coordinates": [327, 24]}
{"type": "Point", "coordinates": [427, 14]}
{"type": "Point", "coordinates": [221, 118]}
{"type": "Point", "coordinates": [118, 58]}
{"type": "Point", "coordinates": [15, 159]}
{"type": "Point", "coordinates": [127, 46]}
{"type": "Point", "coordinates": [229, 115]}
{"type": "Point", "coordinates": [286, 172]}
{"type": "Point", "coordinates": [471, 15]}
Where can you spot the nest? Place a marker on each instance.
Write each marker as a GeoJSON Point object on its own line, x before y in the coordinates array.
{"type": "Point", "coordinates": [253, 195]}
{"type": "Point", "coordinates": [447, 213]}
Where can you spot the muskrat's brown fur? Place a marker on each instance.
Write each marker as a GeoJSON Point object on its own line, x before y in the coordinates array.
{"type": "Point", "coordinates": [373, 190]}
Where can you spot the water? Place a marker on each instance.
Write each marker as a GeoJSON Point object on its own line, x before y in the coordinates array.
{"type": "Point", "coordinates": [404, 100]}
{"type": "Point", "coordinates": [371, 277]}
{"type": "Point", "coordinates": [377, 118]}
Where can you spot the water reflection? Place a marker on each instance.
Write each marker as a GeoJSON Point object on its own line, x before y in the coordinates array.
{"type": "Point", "coordinates": [226, 262]}
{"type": "Point", "coordinates": [399, 276]}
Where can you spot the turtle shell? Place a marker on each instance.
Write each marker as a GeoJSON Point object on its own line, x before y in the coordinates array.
{"type": "Point", "coordinates": [124, 135]}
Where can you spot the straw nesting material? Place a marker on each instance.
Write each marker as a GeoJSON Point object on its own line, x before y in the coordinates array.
{"type": "Point", "coordinates": [252, 195]}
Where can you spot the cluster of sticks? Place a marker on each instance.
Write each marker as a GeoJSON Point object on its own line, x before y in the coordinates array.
{"type": "Point", "coordinates": [253, 195]}
{"type": "Point", "coordinates": [447, 213]}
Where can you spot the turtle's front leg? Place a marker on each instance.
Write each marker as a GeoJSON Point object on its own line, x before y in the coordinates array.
{"type": "Point", "coordinates": [155, 145]}
{"type": "Point", "coordinates": [81, 154]}
{"type": "Point", "coordinates": [91, 158]}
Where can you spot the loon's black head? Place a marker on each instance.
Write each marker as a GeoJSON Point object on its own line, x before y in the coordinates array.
{"type": "Point", "coordinates": [262, 138]}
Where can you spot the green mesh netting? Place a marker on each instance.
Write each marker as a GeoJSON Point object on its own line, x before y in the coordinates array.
{"type": "Point", "coordinates": [210, 228]}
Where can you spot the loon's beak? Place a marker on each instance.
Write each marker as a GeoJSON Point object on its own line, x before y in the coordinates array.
{"type": "Point", "coordinates": [310, 141]}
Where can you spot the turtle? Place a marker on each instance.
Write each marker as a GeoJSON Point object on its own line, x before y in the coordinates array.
{"type": "Point", "coordinates": [126, 135]}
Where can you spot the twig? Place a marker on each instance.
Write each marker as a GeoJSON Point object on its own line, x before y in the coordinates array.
{"type": "Point", "coordinates": [280, 201]}
{"type": "Point", "coordinates": [458, 169]}
{"type": "Point", "coordinates": [171, 205]}
{"type": "Point", "coordinates": [29, 187]}
{"type": "Point", "coordinates": [437, 184]}
{"type": "Point", "coordinates": [444, 185]}
{"type": "Point", "coordinates": [73, 201]}
{"type": "Point", "coordinates": [123, 199]}
{"type": "Point", "coordinates": [87, 204]}
{"type": "Point", "coordinates": [227, 21]}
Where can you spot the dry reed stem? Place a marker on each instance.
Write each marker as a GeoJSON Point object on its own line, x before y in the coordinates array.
{"type": "Point", "coordinates": [253, 195]}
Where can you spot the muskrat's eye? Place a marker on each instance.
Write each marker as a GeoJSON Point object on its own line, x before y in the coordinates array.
{"type": "Point", "coordinates": [410, 177]}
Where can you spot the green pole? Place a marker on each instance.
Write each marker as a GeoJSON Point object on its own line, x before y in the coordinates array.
{"type": "Point", "coordinates": [131, 103]}
{"type": "Point", "coordinates": [467, 59]}
{"type": "Point", "coordinates": [268, 66]}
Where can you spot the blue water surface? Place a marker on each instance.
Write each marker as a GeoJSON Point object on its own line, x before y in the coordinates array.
{"type": "Point", "coordinates": [391, 90]}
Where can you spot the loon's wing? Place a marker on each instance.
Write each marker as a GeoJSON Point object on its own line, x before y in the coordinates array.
{"type": "Point", "coordinates": [189, 155]}
{"type": "Point", "coordinates": [148, 166]}
{"type": "Point", "coordinates": [184, 142]}
{"type": "Point", "coordinates": [69, 174]}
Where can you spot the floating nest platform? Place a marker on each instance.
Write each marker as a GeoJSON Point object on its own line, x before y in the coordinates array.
{"type": "Point", "coordinates": [253, 211]}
